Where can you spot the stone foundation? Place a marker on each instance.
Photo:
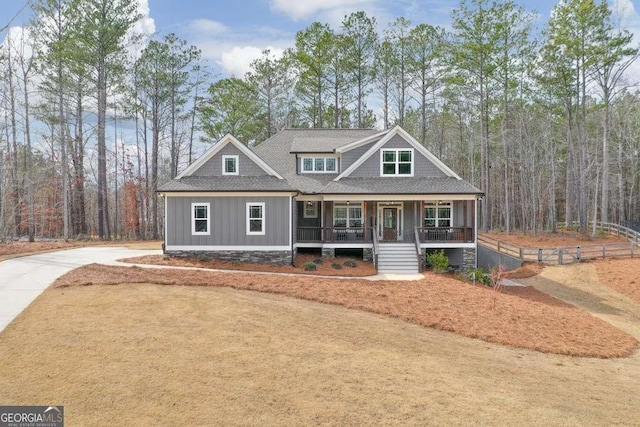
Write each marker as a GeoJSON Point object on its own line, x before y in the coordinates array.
{"type": "Point", "coordinates": [262, 257]}
{"type": "Point", "coordinates": [367, 254]}
{"type": "Point", "coordinates": [468, 258]}
{"type": "Point", "coordinates": [328, 252]}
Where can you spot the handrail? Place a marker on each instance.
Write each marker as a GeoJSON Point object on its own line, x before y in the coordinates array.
{"type": "Point", "coordinates": [445, 234]}
{"type": "Point", "coordinates": [418, 252]}
{"type": "Point", "coordinates": [374, 238]}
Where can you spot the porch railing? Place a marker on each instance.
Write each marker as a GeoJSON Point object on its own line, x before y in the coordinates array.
{"type": "Point", "coordinates": [360, 234]}
{"type": "Point", "coordinates": [445, 234]}
{"type": "Point", "coordinates": [332, 234]}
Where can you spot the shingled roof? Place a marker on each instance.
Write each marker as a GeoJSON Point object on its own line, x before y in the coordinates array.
{"type": "Point", "coordinates": [226, 183]}
{"type": "Point", "coordinates": [279, 153]}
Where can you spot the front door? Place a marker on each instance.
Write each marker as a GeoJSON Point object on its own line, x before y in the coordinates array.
{"type": "Point", "coordinates": [390, 224]}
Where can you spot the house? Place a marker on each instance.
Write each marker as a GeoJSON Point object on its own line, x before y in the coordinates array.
{"type": "Point", "coordinates": [381, 194]}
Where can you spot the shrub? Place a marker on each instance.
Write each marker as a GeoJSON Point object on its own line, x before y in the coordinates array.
{"type": "Point", "coordinates": [350, 263]}
{"type": "Point", "coordinates": [336, 266]}
{"type": "Point", "coordinates": [166, 257]}
{"type": "Point", "coordinates": [309, 266]}
{"type": "Point", "coordinates": [203, 257]}
{"type": "Point", "coordinates": [438, 261]}
{"type": "Point", "coordinates": [318, 261]}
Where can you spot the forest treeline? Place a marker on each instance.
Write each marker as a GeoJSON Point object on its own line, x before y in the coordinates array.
{"type": "Point", "coordinates": [546, 121]}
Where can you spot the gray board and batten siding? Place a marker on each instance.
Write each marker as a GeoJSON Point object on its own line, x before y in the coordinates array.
{"type": "Point", "coordinates": [351, 156]}
{"type": "Point", "coordinates": [228, 221]}
{"type": "Point", "coordinates": [213, 166]}
{"type": "Point", "coordinates": [422, 167]}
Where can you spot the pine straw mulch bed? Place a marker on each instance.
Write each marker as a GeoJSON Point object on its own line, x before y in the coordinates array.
{"type": "Point", "coordinates": [325, 269]}
{"type": "Point", "coordinates": [553, 240]}
{"type": "Point", "coordinates": [622, 275]}
{"type": "Point", "coordinates": [9, 249]}
{"type": "Point", "coordinates": [522, 317]}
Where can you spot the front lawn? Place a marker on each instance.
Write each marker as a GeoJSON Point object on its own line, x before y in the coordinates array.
{"type": "Point", "coordinates": [144, 354]}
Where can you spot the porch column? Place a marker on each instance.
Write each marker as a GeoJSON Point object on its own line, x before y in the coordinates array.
{"type": "Point", "coordinates": [464, 221]}
{"type": "Point", "coordinates": [322, 220]}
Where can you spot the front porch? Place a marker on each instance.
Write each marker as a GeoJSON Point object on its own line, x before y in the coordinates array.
{"type": "Point", "coordinates": [365, 222]}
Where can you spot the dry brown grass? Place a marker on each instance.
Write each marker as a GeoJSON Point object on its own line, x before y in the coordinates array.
{"type": "Point", "coordinates": [437, 301]}
{"type": "Point", "coordinates": [622, 275]}
{"type": "Point", "coordinates": [528, 269]}
{"type": "Point", "coordinates": [325, 269]}
{"type": "Point", "coordinates": [173, 355]}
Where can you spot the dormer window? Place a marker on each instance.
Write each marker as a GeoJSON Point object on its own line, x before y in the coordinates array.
{"type": "Point", "coordinates": [319, 165]}
{"type": "Point", "coordinates": [396, 162]}
{"type": "Point", "coordinates": [229, 165]}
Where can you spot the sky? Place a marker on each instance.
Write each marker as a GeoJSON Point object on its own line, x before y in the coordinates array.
{"type": "Point", "coordinates": [231, 33]}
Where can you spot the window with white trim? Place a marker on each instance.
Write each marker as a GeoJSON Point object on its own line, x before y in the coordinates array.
{"type": "Point", "coordinates": [396, 162]}
{"type": "Point", "coordinates": [349, 216]}
{"type": "Point", "coordinates": [230, 165]}
{"type": "Point", "coordinates": [311, 209]}
{"type": "Point", "coordinates": [255, 218]}
{"type": "Point", "coordinates": [319, 165]}
{"type": "Point", "coordinates": [200, 219]}
{"type": "Point", "coordinates": [437, 214]}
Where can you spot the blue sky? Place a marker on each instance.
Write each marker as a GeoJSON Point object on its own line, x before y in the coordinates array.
{"type": "Point", "coordinates": [233, 32]}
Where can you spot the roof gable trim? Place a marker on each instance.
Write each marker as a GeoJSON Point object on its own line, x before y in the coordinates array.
{"type": "Point", "coordinates": [397, 130]}
{"type": "Point", "coordinates": [359, 143]}
{"type": "Point", "coordinates": [215, 148]}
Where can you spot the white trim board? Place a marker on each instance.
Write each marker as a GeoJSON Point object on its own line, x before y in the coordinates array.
{"type": "Point", "coordinates": [229, 194]}
{"type": "Point", "coordinates": [436, 245]}
{"type": "Point", "coordinates": [215, 148]}
{"type": "Point", "coordinates": [347, 245]}
{"type": "Point", "coordinates": [226, 248]}
{"type": "Point", "coordinates": [397, 130]}
{"type": "Point", "coordinates": [396, 197]}
{"type": "Point", "coordinates": [359, 143]}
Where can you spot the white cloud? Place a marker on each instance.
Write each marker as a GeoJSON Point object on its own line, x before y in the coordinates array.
{"type": "Point", "coordinates": [208, 26]}
{"type": "Point", "coordinates": [298, 9]}
{"type": "Point", "coordinates": [627, 18]}
{"type": "Point", "coordinates": [237, 60]}
{"type": "Point", "coordinates": [624, 8]}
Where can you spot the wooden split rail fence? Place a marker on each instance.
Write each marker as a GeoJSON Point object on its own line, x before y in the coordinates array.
{"type": "Point", "coordinates": [571, 254]}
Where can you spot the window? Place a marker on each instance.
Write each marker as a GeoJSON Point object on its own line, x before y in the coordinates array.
{"type": "Point", "coordinates": [319, 164]}
{"type": "Point", "coordinates": [200, 219]}
{"type": "Point", "coordinates": [311, 209]}
{"type": "Point", "coordinates": [349, 216]}
{"type": "Point", "coordinates": [229, 165]}
{"type": "Point", "coordinates": [255, 218]}
{"type": "Point", "coordinates": [437, 214]}
{"type": "Point", "coordinates": [396, 162]}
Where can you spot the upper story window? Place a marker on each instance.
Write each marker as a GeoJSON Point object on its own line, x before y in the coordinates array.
{"type": "Point", "coordinates": [396, 162]}
{"type": "Point", "coordinates": [229, 165]}
{"type": "Point", "coordinates": [319, 165]}
{"type": "Point", "coordinates": [200, 219]}
{"type": "Point", "coordinates": [437, 214]}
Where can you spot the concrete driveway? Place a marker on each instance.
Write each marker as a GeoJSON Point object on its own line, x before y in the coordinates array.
{"type": "Point", "coordinates": [23, 279]}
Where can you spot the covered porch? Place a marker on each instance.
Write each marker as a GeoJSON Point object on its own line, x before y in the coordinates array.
{"type": "Point", "coordinates": [353, 221]}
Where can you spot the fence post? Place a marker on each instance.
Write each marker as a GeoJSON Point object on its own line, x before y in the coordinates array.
{"type": "Point", "coordinates": [521, 254]}
{"type": "Point", "coordinates": [579, 254]}
{"type": "Point", "coordinates": [539, 254]}
{"type": "Point", "coordinates": [560, 257]}
{"type": "Point", "coordinates": [498, 245]}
